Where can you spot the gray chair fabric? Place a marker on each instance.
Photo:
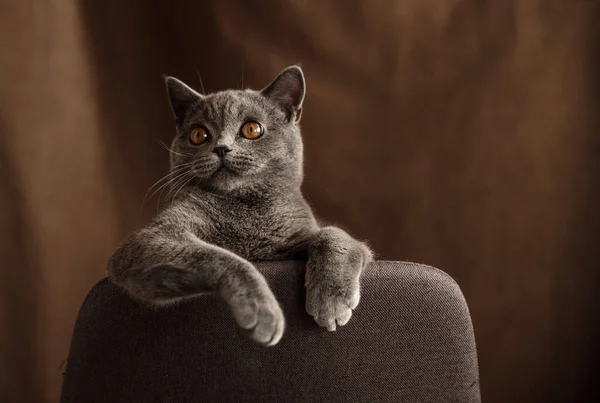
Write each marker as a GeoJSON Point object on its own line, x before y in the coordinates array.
{"type": "Point", "coordinates": [410, 340]}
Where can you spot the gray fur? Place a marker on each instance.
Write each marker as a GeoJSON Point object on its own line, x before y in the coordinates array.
{"type": "Point", "coordinates": [242, 207]}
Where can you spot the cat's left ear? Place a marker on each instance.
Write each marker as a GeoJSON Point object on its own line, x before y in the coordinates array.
{"type": "Point", "coordinates": [181, 97]}
{"type": "Point", "coordinates": [288, 90]}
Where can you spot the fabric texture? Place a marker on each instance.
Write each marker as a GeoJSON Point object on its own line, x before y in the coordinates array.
{"type": "Point", "coordinates": [410, 340]}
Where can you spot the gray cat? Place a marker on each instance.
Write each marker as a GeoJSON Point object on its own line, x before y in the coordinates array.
{"type": "Point", "coordinates": [237, 162]}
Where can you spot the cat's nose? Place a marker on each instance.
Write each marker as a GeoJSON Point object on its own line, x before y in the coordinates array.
{"type": "Point", "coordinates": [221, 150]}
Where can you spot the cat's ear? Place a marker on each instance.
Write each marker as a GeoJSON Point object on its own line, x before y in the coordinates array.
{"type": "Point", "coordinates": [181, 97]}
{"type": "Point", "coordinates": [288, 90]}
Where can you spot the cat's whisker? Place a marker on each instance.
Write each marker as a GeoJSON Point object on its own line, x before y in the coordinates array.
{"type": "Point", "coordinates": [200, 79]}
{"type": "Point", "coordinates": [165, 185]}
{"type": "Point", "coordinates": [181, 187]}
{"type": "Point", "coordinates": [146, 197]}
{"type": "Point", "coordinates": [182, 181]}
{"type": "Point", "coordinates": [177, 168]}
{"type": "Point", "coordinates": [173, 152]}
{"type": "Point", "coordinates": [178, 173]}
{"type": "Point", "coordinates": [168, 184]}
{"type": "Point", "coordinates": [173, 185]}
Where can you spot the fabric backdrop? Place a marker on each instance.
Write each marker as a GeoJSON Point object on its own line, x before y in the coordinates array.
{"type": "Point", "coordinates": [458, 133]}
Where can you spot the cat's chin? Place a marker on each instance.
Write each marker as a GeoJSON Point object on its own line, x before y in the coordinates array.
{"type": "Point", "coordinates": [223, 174]}
{"type": "Point", "coordinates": [225, 180]}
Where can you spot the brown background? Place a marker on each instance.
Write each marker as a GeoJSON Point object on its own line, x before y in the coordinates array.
{"type": "Point", "coordinates": [462, 134]}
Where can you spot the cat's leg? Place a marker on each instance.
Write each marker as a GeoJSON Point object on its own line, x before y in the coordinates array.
{"type": "Point", "coordinates": [335, 263]}
{"type": "Point", "coordinates": [158, 267]}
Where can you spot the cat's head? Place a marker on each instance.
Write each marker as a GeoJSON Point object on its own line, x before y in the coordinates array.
{"type": "Point", "coordinates": [237, 140]}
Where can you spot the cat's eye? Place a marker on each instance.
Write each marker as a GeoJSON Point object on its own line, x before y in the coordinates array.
{"type": "Point", "coordinates": [198, 136]}
{"type": "Point", "coordinates": [252, 130]}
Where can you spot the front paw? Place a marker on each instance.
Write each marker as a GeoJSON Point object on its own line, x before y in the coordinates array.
{"type": "Point", "coordinates": [330, 304]}
{"type": "Point", "coordinates": [261, 316]}
{"type": "Point", "coordinates": [336, 261]}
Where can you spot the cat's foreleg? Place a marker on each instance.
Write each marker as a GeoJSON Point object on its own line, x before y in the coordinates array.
{"type": "Point", "coordinates": [335, 263]}
{"type": "Point", "coordinates": [160, 269]}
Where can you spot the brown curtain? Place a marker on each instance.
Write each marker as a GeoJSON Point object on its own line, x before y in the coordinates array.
{"type": "Point", "coordinates": [463, 134]}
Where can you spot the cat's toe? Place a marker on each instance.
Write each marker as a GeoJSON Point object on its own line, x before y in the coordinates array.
{"type": "Point", "coordinates": [331, 310]}
{"type": "Point", "coordinates": [343, 315]}
{"type": "Point", "coordinates": [261, 317]}
{"type": "Point", "coordinates": [245, 313]}
{"type": "Point", "coordinates": [325, 316]}
{"type": "Point", "coordinates": [353, 297]}
{"type": "Point", "coordinates": [269, 325]}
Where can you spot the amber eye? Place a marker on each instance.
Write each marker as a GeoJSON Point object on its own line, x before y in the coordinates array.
{"type": "Point", "coordinates": [198, 136]}
{"type": "Point", "coordinates": [252, 130]}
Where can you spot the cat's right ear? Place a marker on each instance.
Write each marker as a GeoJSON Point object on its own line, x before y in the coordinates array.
{"type": "Point", "coordinates": [181, 97]}
{"type": "Point", "coordinates": [288, 91]}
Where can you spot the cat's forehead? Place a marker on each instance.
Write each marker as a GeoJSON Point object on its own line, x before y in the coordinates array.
{"type": "Point", "coordinates": [231, 106]}
{"type": "Point", "coordinates": [231, 103]}
{"type": "Point", "coordinates": [230, 96]}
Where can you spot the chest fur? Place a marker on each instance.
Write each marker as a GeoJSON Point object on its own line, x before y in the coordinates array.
{"type": "Point", "coordinates": [259, 234]}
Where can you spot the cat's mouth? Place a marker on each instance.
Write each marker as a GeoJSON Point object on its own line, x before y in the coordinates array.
{"type": "Point", "coordinates": [224, 168]}
{"type": "Point", "coordinates": [233, 166]}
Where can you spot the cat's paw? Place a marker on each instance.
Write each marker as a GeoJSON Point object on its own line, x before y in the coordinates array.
{"type": "Point", "coordinates": [332, 281]}
{"type": "Point", "coordinates": [261, 316]}
{"type": "Point", "coordinates": [331, 305]}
